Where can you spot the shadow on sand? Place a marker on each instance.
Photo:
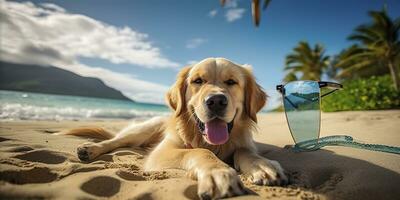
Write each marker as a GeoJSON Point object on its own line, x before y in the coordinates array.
{"type": "Point", "coordinates": [336, 176]}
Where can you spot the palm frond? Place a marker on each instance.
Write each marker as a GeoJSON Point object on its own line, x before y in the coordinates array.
{"type": "Point", "coordinates": [365, 34]}
{"type": "Point", "coordinates": [354, 58]}
{"type": "Point", "coordinates": [296, 68]}
{"type": "Point", "coordinates": [396, 24]}
{"type": "Point", "coordinates": [355, 67]}
{"type": "Point", "coordinates": [255, 10]}
{"type": "Point", "coordinates": [266, 4]}
{"type": "Point", "coordinates": [291, 76]}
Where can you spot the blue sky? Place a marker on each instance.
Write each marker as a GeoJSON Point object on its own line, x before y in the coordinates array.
{"type": "Point", "coordinates": [185, 31]}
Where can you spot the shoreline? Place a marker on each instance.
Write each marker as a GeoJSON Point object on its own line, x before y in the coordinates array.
{"type": "Point", "coordinates": [116, 119]}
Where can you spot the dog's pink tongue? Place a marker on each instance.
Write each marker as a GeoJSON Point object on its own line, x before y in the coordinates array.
{"type": "Point", "coordinates": [216, 131]}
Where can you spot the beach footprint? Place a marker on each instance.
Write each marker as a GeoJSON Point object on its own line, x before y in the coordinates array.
{"type": "Point", "coordinates": [330, 183]}
{"type": "Point", "coordinates": [129, 175]}
{"type": "Point", "coordinates": [191, 192]}
{"type": "Point", "coordinates": [43, 156]}
{"type": "Point", "coordinates": [2, 139]}
{"type": "Point", "coordinates": [324, 179]}
{"type": "Point", "coordinates": [35, 175]}
{"type": "Point", "coordinates": [19, 149]}
{"type": "Point", "coordinates": [102, 186]}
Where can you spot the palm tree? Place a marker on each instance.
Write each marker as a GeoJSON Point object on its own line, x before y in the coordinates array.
{"type": "Point", "coordinates": [308, 62]}
{"type": "Point", "coordinates": [378, 47]}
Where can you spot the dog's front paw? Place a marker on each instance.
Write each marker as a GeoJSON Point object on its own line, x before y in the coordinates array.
{"type": "Point", "coordinates": [218, 183]}
{"type": "Point", "coordinates": [267, 172]}
{"type": "Point", "coordinates": [87, 151]}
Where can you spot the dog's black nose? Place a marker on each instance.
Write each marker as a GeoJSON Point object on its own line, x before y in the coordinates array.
{"type": "Point", "coordinates": [217, 103]}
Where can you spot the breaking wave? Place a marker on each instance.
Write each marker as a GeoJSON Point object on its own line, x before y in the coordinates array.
{"type": "Point", "coordinates": [34, 106]}
{"type": "Point", "coordinates": [29, 112]}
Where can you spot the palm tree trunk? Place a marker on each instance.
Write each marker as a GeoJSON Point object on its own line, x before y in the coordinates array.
{"type": "Point", "coordinates": [394, 71]}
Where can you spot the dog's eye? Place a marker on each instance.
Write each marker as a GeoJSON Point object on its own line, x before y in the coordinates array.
{"type": "Point", "coordinates": [198, 81]}
{"type": "Point", "coordinates": [230, 82]}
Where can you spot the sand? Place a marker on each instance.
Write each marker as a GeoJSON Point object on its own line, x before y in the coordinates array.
{"type": "Point", "coordinates": [34, 164]}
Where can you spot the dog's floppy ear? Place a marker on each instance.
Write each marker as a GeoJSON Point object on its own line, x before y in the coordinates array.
{"type": "Point", "coordinates": [255, 97]}
{"type": "Point", "coordinates": [176, 95]}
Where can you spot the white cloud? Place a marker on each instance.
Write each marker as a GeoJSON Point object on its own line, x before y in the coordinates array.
{"type": "Point", "coordinates": [213, 13]}
{"type": "Point", "coordinates": [234, 14]}
{"type": "Point", "coordinates": [48, 26]}
{"type": "Point", "coordinates": [194, 43]}
{"type": "Point", "coordinates": [231, 4]}
{"type": "Point", "coordinates": [52, 7]}
{"type": "Point", "coordinates": [46, 34]}
{"type": "Point", "coordinates": [232, 11]}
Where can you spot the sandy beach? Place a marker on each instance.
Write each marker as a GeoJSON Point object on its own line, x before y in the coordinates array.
{"type": "Point", "coordinates": [35, 164]}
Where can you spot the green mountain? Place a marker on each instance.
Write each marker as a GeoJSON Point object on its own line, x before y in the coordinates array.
{"type": "Point", "coordinates": [53, 80]}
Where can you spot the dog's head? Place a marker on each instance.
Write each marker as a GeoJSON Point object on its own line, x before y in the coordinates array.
{"type": "Point", "coordinates": [216, 94]}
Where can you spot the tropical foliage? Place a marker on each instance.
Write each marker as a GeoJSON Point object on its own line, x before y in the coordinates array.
{"type": "Point", "coordinates": [363, 94]}
{"type": "Point", "coordinates": [376, 52]}
{"type": "Point", "coordinates": [306, 63]}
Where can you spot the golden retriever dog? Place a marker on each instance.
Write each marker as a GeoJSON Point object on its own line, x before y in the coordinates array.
{"type": "Point", "coordinates": [214, 105]}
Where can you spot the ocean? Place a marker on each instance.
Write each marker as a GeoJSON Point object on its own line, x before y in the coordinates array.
{"type": "Point", "coordinates": [34, 106]}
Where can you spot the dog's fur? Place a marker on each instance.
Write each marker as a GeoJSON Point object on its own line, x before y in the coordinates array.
{"type": "Point", "coordinates": [179, 142]}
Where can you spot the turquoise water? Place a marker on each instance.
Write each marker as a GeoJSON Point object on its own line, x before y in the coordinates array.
{"type": "Point", "coordinates": [35, 106]}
